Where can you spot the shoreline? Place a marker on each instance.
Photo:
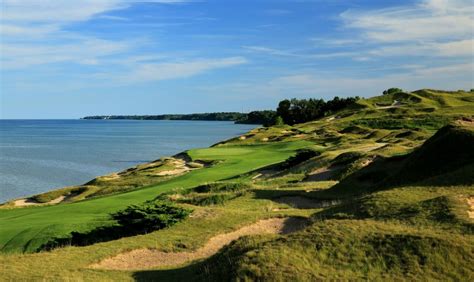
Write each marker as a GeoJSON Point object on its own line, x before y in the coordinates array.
{"type": "Point", "coordinates": [186, 136]}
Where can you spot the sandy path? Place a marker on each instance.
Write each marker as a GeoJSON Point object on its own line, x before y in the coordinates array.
{"type": "Point", "coordinates": [395, 104]}
{"type": "Point", "coordinates": [146, 258]}
{"type": "Point", "coordinates": [470, 202]}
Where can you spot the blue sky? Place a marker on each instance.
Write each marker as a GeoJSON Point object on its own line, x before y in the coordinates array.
{"type": "Point", "coordinates": [67, 59]}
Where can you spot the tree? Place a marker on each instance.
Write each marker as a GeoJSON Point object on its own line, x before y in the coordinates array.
{"type": "Point", "coordinates": [392, 90]}
{"type": "Point", "coordinates": [283, 110]}
{"type": "Point", "coordinates": [278, 121]}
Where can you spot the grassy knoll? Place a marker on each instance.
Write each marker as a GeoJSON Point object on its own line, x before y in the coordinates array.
{"type": "Point", "coordinates": [385, 185]}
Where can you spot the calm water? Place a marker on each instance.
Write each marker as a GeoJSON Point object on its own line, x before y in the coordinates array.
{"type": "Point", "coordinates": [40, 155]}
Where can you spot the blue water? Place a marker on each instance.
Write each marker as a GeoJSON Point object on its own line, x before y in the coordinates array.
{"type": "Point", "coordinates": [40, 155]}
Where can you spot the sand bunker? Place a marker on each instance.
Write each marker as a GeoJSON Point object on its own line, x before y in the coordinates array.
{"type": "Point", "coordinates": [29, 202]}
{"type": "Point", "coordinates": [181, 166]}
{"type": "Point", "coordinates": [146, 258]}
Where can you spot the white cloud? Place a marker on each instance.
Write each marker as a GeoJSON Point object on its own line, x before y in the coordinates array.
{"type": "Point", "coordinates": [335, 42]}
{"type": "Point", "coordinates": [296, 54]}
{"type": "Point", "coordinates": [456, 48]}
{"type": "Point", "coordinates": [461, 48]}
{"type": "Point", "coordinates": [63, 10]}
{"type": "Point", "coordinates": [270, 51]}
{"type": "Point", "coordinates": [144, 72]}
{"type": "Point", "coordinates": [324, 84]}
{"type": "Point", "coordinates": [456, 76]}
{"type": "Point", "coordinates": [21, 31]}
{"type": "Point", "coordinates": [85, 51]}
{"type": "Point", "coordinates": [430, 20]}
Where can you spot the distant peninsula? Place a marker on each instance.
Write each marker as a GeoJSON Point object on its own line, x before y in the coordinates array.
{"type": "Point", "coordinates": [254, 117]}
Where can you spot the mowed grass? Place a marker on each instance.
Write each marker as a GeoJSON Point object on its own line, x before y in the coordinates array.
{"type": "Point", "coordinates": [26, 229]}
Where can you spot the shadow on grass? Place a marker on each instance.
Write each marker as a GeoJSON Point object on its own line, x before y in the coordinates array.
{"type": "Point", "coordinates": [299, 199]}
{"type": "Point", "coordinates": [191, 272]}
{"type": "Point", "coordinates": [98, 235]}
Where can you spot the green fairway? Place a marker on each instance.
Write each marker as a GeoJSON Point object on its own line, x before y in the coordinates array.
{"type": "Point", "coordinates": [25, 229]}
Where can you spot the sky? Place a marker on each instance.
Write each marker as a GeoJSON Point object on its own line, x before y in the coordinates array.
{"type": "Point", "coordinates": [69, 59]}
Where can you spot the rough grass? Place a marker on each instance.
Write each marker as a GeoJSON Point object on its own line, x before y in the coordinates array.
{"type": "Point", "coordinates": [345, 249]}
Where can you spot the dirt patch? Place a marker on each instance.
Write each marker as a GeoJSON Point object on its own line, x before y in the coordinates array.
{"type": "Point", "coordinates": [265, 173]}
{"type": "Point", "coordinates": [299, 136]}
{"type": "Point", "coordinates": [305, 203]}
{"type": "Point", "coordinates": [366, 162]}
{"type": "Point", "coordinates": [395, 104]}
{"type": "Point", "coordinates": [111, 176]}
{"type": "Point", "coordinates": [257, 176]}
{"type": "Point", "coordinates": [29, 202]}
{"type": "Point", "coordinates": [465, 121]}
{"type": "Point", "coordinates": [470, 202]}
{"type": "Point", "coordinates": [146, 258]}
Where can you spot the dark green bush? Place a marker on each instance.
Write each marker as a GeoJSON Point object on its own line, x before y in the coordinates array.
{"type": "Point", "coordinates": [151, 216]}
{"type": "Point", "coordinates": [209, 199]}
{"type": "Point", "coordinates": [221, 187]}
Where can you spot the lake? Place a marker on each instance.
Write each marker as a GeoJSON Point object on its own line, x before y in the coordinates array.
{"type": "Point", "coordinates": [41, 155]}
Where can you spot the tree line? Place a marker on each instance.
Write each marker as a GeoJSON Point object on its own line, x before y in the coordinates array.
{"type": "Point", "coordinates": [289, 112]}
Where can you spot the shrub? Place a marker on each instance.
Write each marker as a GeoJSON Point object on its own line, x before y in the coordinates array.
{"type": "Point", "coordinates": [209, 199]}
{"type": "Point", "coordinates": [221, 187]}
{"type": "Point", "coordinates": [151, 216]}
{"type": "Point", "coordinates": [279, 121]}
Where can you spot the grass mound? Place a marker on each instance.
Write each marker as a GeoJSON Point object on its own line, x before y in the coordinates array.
{"type": "Point", "coordinates": [447, 158]}
{"type": "Point", "coordinates": [343, 250]}
{"type": "Point", "coordinates": [451, 148]}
